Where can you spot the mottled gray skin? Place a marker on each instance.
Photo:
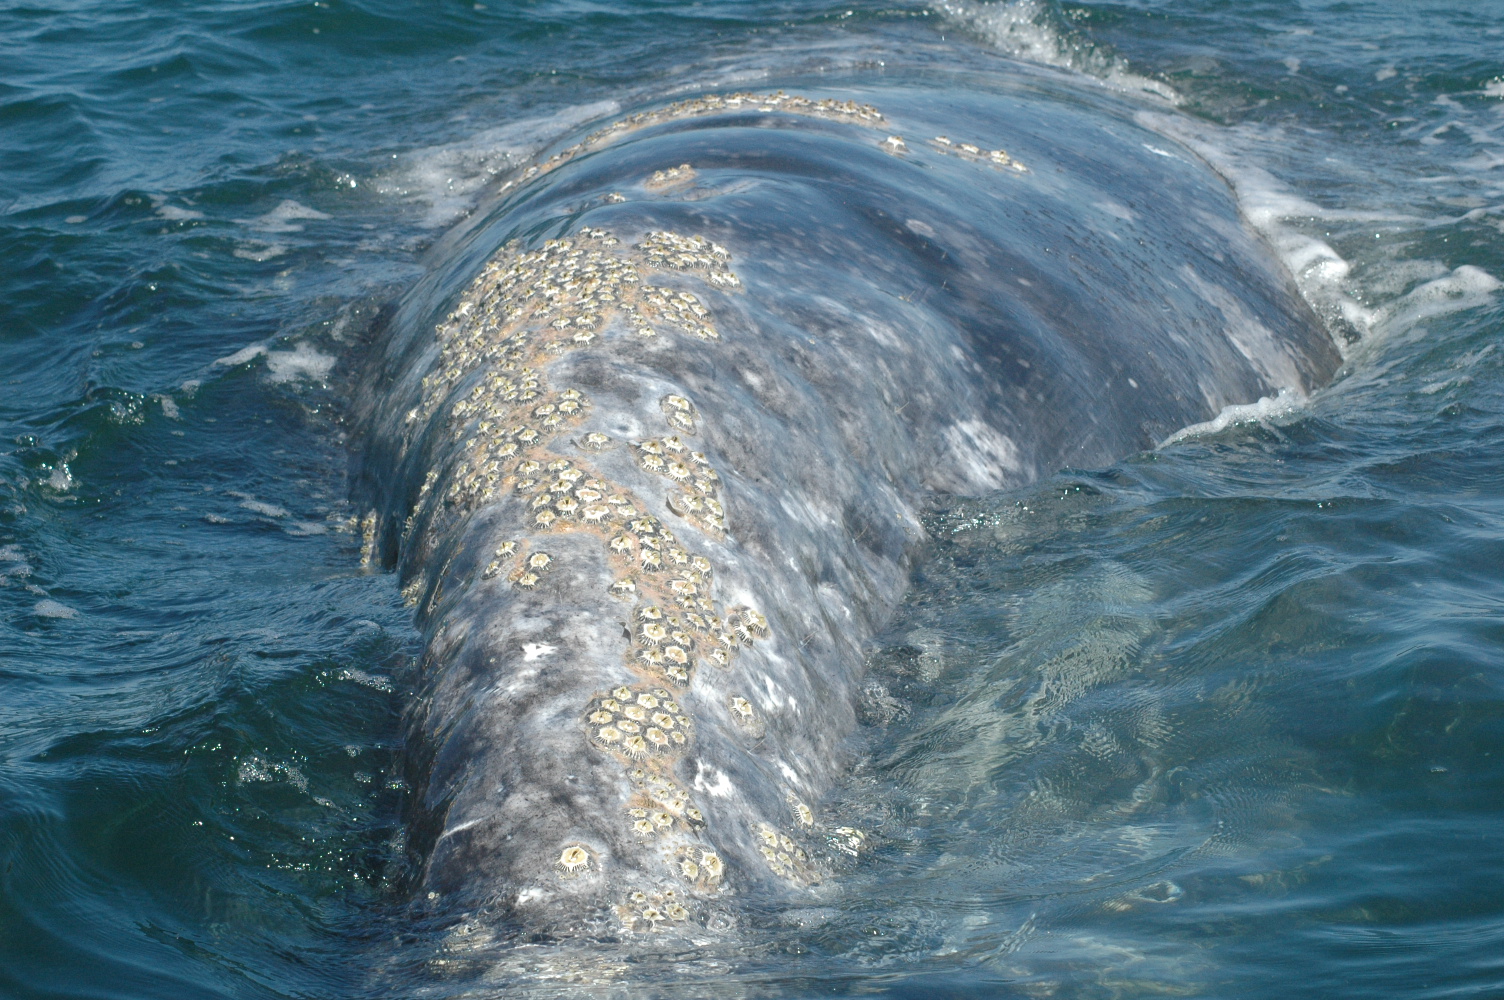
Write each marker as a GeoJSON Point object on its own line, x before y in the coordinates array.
{"type": "Point", "coordinates": [910, 322]}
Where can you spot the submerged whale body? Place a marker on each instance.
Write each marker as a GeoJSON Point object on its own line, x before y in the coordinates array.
{"type": "Point", "coordinates": [650, 441]}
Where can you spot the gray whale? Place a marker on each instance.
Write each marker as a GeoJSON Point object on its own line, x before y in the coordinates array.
{"type": "Point", "coordinates": [650, 441]}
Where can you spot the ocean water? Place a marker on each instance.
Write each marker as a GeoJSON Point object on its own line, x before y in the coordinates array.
{"type": "Point", "coordinates": [1222, 720]}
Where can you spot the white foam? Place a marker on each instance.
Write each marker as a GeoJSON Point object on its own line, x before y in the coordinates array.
{"type": "Point", "coordinates": [242, 356]}
{"type": "Point", "coordinates": [52, 609]}
{"type": "Point", "coordinates": [1281, 404]}
{"type": "Point", "coordinates": [1032, 31]}
{"type": "Point", "coordinates": [1466, 287]}
{"type": "Point", "coordinates": [265, 509]}
{"type": "Point", "coordinates": [300, 362]}
{"type": "Point", "coordinates": [376, 682]}
{"type": "Point", "coordinates": [260, 252]}
{"type": "Point", "coordinates": [450, 179]}
{"type": "Point", "coordinates": [284, 218]}
{"type": "Point", "coordinates": [173, 213]}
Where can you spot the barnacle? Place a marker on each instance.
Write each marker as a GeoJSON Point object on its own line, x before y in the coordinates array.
{"type": "Point", "coordinates": [847, 839]}
{"type": "Point", "coordinates": [572, 860]}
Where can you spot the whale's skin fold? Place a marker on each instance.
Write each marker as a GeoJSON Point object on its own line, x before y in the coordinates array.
{"type": "Point", "coordinates": [872, 321]}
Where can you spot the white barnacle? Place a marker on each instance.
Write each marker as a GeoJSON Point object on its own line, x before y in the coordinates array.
{"type": "Point", "coordinates": [572, 860]}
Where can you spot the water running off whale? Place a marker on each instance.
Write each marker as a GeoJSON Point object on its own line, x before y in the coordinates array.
{"type": "Point", "coordinates": [650, 441]}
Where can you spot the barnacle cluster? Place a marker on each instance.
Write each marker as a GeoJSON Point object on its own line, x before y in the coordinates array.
{"type": "Point", "coordinates": [672, 251]}
{"type": "Point", "coordinates": [701, 867]}
{"type": "Point", "coordinates": [785, 858]}
{"type": "Point", "coordinates": [710, 104]}
{"type": "Point", "coordinates": [649, 911]}
{"type": "Point", "coordinates": [698, 499]}
{"type": "Point", "coordinates": [673, 175]}
{"type": "Point", "coordinates": [637, 724]}
{"type": "Point", "coordinates": [973, 152]}
{"type": "Point", "coordinates": [847, 840]}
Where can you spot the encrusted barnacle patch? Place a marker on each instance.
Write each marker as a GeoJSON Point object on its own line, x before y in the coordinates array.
{"type": "Point", "coordinates": [644, 912]}
{"type": "Point", "coordinates": [700, 866]}
{"type": "Point", "coordinates": [634, 723]}
{"type": "Point", "coordinates": [504, 554]}
{"type": "Point", "coordinates": [847, 840]}
{"type": "Point", "coordinates": [681, 413]}
{"type": "Point", "coordinates": [746, 625]}
{"type": "Point", "coordinates": [682, 174]}
{"type": "Point", "coordinates": [574, 860]}
{"type": "Point", "coordinates": [976, 154]}
{"type": "Point", "coordinates": [785, 858]}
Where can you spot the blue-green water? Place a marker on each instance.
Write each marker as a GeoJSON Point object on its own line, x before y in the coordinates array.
{"type": "Point", "coordinates": [1224, 720]}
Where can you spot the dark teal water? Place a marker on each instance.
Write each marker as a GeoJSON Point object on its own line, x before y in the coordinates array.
{"type": "Point", "coordinates": [1225, 720]}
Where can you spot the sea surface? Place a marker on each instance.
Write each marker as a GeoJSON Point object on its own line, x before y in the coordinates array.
{"type": "Point", "coordinates": [1223, 720]}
